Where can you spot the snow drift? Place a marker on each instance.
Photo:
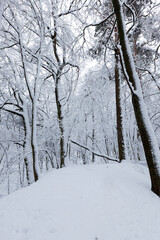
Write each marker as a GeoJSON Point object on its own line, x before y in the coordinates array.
{"type": "Point", "coordinates": [103, 202]}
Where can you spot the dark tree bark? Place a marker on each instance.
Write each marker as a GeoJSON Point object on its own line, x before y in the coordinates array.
{"type": "Point", "coordinates": [36, 177]}
{"type": "Point", "coordinates": [57, 78]}
{"type": "Point", "coordinates": [26, 162]}
{"type": "Point", "coordinates": [28, 159]}
{"type": "Point", "coordinates": [60, 122]}
{"type": "Point", "coordinates": [119, 114]}
{"type": "Point", "coordinates": [149, 140]}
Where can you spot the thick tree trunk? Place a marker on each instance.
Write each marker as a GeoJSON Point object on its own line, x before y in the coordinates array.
{"type": "Point", "coordinates": [149, 141]}
{"type": "Point", "coordinates": [148, 146]}
{"type": "Point", "coordinates": [119, 113]}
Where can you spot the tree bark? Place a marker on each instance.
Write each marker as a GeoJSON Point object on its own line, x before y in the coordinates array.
{"type": "Point", "coordinates": [58, 103]}
{"type": "Point", "coordinates": [119, 114]}
{"type": "Point", "coordinates": [60, 122]}
{"type": "Point", "coordinates": [148, 137]}
{"type": "Point", "coordinates": [28, 159]}
{"type": "Point", "coordinates": [36, 169]}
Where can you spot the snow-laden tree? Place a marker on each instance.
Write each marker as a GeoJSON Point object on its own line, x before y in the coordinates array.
{"type": "Point", "coordinates": [146, 131]}
{"type": "Point", "coordinates": [26, 74]}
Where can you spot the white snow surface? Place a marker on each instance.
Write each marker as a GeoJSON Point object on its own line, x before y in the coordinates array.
{"type": "Point", "coordinates": [94, 202]}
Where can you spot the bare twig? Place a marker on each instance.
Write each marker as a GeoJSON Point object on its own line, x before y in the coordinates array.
{"type": "Point", "coordinates": [146, 70]}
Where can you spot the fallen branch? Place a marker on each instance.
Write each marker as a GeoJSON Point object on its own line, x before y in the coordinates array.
{"type": "Point", "coordinates": [96, 154]}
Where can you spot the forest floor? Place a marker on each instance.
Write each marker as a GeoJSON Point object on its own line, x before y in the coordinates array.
{"type": "Point", "coordinates": [93, 202]}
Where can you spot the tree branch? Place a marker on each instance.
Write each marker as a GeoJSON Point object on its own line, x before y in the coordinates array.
{"type": "Point", "coordinates": [13, 112]}
{"type": "Point", "coordinates": [96, 154]}
{"type": "Point", "coordinates": [97, 24]}
{"type": "Point", "coordinates": [146, 70]}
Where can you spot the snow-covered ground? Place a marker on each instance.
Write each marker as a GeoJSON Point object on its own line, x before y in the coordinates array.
{"type": "Point", "coordinates": [103, 202]}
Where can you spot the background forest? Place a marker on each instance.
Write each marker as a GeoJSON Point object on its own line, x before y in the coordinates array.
{"type": "Point", "coordinates": [64, 94]}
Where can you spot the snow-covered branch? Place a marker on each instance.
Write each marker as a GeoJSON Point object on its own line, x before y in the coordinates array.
{"type": "Point", "coordinates": [95, 153]}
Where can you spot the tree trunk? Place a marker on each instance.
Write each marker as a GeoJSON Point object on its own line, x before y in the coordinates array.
{"type": "Point", "coordinates": [36, 169]}
{"type": "Point", "coordinates": [93, 137]}
{"type": "Point", "coordinates": [28, 160]}
{"type": "Point", "coordinates": [148, 137]}
{"type": "Point", "coordinates": [119, 114]}
{"type": "Point", "coordinates": [60, 122]}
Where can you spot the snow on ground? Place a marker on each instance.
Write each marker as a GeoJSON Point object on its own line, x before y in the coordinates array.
{"type": "Point", "coordinates": [103, 202]}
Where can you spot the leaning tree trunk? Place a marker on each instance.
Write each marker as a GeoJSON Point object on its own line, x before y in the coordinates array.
{"type": "Point", "coordinates": [148, 137]}
{"type": "Point", "coordinates": [119, 114]}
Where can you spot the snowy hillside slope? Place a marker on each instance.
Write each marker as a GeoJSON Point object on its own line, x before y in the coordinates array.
{"type": "Point", "coordinates": [104, 202]}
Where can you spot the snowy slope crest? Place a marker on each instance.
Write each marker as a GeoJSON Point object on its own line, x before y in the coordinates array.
{"type": "Point", "coordinates": [94, 202]}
